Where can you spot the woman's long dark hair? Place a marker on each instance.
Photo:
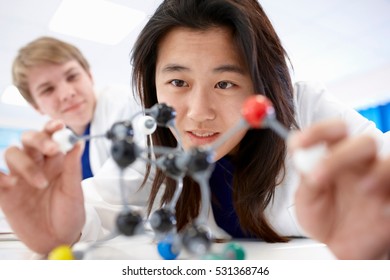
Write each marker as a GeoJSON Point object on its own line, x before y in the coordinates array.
{"type": "Point", "coordinates": [259, 164]}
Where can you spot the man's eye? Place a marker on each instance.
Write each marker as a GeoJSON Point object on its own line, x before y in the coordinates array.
{"type": "Point", "coordinates": [224, 85]}
{"type": "Point", "coordinates": [47, 90]}
{"type": "Point", "coordinates": [72, 77]}
{"type": "Point", "coordinates": [179, 83]}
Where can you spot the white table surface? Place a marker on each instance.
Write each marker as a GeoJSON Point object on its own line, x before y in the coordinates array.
{"type": "Point", "coordinates": [143, 247]}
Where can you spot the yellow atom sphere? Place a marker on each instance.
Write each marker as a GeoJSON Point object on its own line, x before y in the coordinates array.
{"type": "Point", "coordinates": [62, 252]}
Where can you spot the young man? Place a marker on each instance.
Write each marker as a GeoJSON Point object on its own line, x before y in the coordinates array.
{"type": "Point", "coordinates": [55, 78]}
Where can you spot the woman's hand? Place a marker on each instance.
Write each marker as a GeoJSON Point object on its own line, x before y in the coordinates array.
{"type": "Point", "coordinates": [345, 201]}
{"type": "Point", "coordinates": [42, 196]}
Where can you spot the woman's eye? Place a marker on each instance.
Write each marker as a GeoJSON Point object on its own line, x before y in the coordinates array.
{"type": "Point", "coordinates": [179, 83]}
{"type": "Point", "coordinates": [224, 85]}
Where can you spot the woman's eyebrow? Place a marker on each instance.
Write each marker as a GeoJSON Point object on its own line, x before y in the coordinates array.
{"type": "Point", "coordinates": [220, 69]}
{"type": "Point", "coordinates": [175, 68]}
{"type": "Point", "coordinates": [229, 68]}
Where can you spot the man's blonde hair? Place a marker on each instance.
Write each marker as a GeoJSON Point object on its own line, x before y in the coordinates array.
{"type": "Point", "coordinates": [41, 51]}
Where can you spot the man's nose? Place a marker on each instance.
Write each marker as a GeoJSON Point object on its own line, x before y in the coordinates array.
{"type": "Point", "coordinates": [67, 91]}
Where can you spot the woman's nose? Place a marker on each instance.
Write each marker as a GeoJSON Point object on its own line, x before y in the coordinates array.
{"type": "Point", "coordinates": [201, 107]}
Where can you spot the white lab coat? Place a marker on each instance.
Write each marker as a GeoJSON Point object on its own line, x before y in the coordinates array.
{"type": "Point", "coordinates": [312, 104]}
{"type": "Point", "coordinates": [113, 104]}
{"type": "Point", "coordinates": [101, 192]}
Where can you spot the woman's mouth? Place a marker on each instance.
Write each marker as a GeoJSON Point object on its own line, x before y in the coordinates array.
{"type": "Point", "coordinates": [202, 138]}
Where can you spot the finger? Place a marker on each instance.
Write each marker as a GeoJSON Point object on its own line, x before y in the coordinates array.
{"type": "Point", "coordinates": [38, 142]}
{"type": "Point", "coordinates": [41, 141]}
{"type": "Point", "coordinates": [346, 156]}
{"type": "Point", "coordinates": [72, 166]}
{"type": "Point", "coordinates": [7, 181]}
{"type": "Point", "coordinates": [382, 172]}
{"type": "Point", "coordinates": [330, 132]}
{"type": "Point", "coordinates": [53, 125]}
{"type": "Point", "coordinates": [22, 165]}
{"type": "Point", "coordinates": [379, 177]}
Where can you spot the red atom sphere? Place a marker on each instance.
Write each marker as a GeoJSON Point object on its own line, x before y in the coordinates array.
{"type": "Point", "coordinates": [255, 109]}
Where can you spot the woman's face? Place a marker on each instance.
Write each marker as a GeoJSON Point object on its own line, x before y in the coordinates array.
{"type": "Point", "coordinates": [63, 91]}
{"type": "Point", "coordinates": [203, 77]}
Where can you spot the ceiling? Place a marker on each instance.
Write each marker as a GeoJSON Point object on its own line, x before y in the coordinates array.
{"type": "Point", "coordinates": [345, 44]}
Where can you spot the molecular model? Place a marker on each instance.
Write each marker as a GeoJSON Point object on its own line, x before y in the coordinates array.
{"type": "Point", "coordinates": [257, 112]}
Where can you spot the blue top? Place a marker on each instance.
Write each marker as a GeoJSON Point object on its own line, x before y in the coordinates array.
{"type": "Point", "coordinates": [86, 166]}
{"type": "Point", "coordinates": [221, 188]}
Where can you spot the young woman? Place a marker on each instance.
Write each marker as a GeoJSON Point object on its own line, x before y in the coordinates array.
{"type": "Point", "coordinates": [204, 58]}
